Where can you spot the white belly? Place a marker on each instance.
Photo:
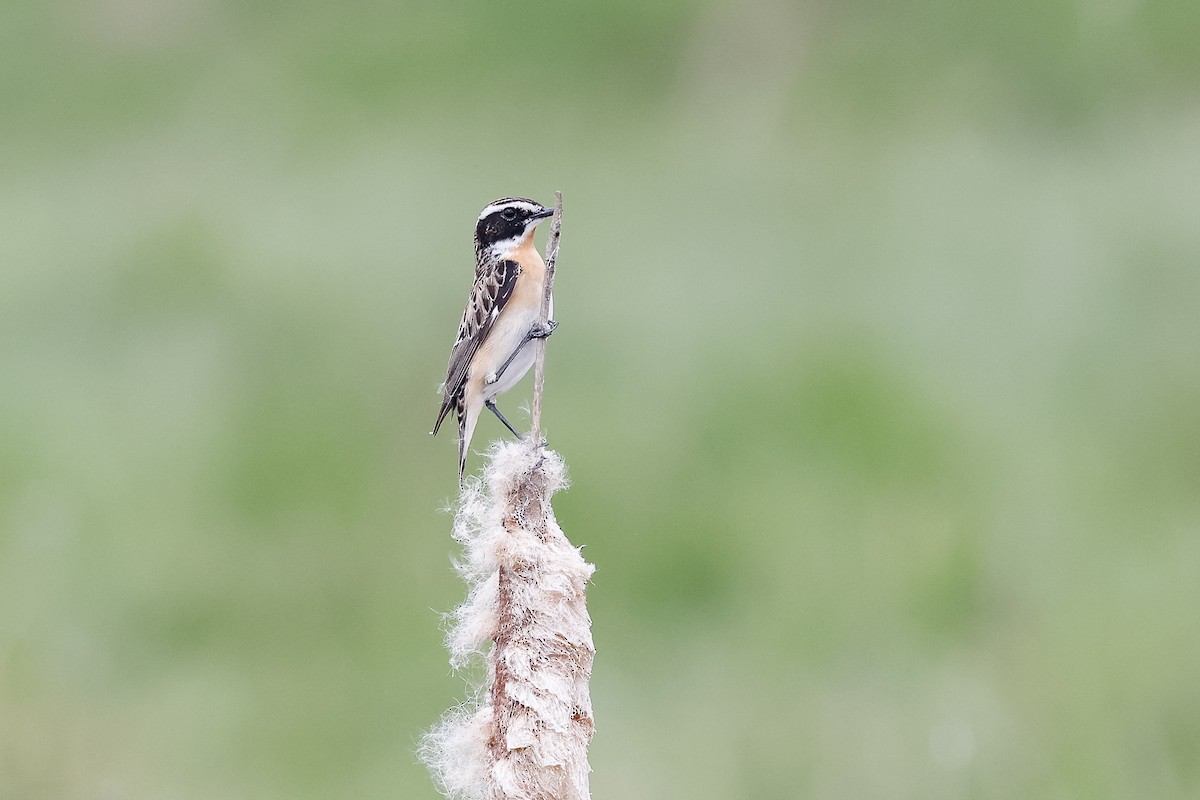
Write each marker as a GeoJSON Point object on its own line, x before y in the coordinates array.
{"type": "Point", "coordinates": [510, 329]}
{"type": "Point", "coordinates": [516, 370]}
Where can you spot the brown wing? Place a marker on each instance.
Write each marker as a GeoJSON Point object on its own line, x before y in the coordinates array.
{"type": "Point", "coordinates": [493, 286]}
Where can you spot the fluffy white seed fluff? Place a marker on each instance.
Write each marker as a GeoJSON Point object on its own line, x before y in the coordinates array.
{"type": "Point", "coordinates": [526, 733]}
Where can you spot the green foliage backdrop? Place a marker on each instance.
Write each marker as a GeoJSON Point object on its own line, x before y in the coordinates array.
{"type": "Point", "coordinates": [878, 379]}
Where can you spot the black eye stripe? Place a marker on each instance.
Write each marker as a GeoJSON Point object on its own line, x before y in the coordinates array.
{"type": "Point", "coordinates": [502, 220]}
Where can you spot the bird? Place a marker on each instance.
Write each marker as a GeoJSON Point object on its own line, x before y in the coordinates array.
{"type": "Point", "coordinates": [492, 351]}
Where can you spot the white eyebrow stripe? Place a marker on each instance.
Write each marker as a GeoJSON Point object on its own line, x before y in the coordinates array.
{"type": "Point", "coordinates": [525, 205]}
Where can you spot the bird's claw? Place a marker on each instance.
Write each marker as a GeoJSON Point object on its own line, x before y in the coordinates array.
{"type": "Point", "coordinates": [540, 331]}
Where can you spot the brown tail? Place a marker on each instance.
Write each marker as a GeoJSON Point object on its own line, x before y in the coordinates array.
{"type": "Point", "coordinates": [455, 403]}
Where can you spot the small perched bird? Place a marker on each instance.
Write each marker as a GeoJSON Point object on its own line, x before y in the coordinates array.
{"type": "Point", "coordinates": [492, 352]}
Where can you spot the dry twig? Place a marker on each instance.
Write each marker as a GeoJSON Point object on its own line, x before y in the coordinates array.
{"type": "Point", "coordinates": [539, 364]}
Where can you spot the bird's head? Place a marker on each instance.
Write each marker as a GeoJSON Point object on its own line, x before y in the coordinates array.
{"type": "Point", "coordinates": [507, 223]}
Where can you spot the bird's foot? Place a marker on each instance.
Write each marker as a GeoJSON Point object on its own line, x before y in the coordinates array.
{"type": "Point", "coordinates": [540, 331]}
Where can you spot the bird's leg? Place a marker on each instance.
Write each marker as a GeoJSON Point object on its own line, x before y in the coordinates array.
{"type": "Point", "coordinates": [491, 404]}
{"type": "Point", "coordinates": [537, 331]}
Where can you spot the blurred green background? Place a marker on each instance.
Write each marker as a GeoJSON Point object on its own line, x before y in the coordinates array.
{"type": "Point", "coordinates": [878, 379]}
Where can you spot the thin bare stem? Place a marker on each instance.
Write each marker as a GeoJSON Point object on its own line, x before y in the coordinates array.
{"type": "Point", "coordinates": [539, 364]}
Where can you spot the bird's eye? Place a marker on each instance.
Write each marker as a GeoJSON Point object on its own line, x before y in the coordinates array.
{"type": "Point", "coordinates": [509, 213]}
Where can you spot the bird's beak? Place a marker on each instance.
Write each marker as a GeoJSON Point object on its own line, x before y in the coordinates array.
{"type": "Point", "coordinates": [545, 212]}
